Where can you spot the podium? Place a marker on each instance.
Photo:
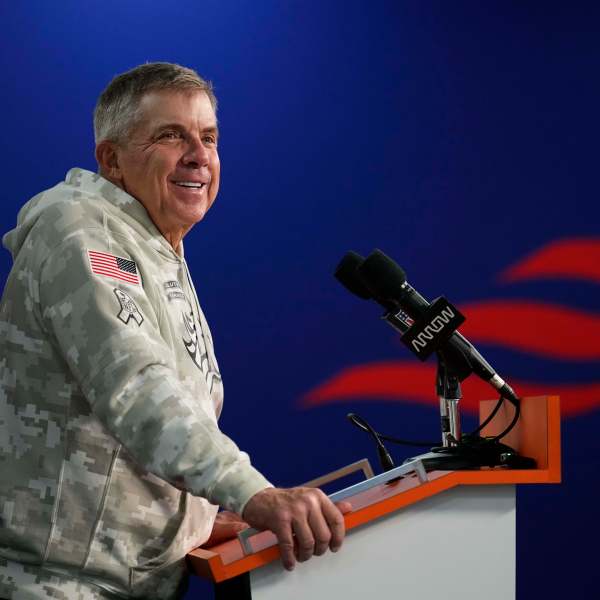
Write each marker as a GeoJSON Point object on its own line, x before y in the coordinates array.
{"type": "Point", "coordinates": [449, 534]}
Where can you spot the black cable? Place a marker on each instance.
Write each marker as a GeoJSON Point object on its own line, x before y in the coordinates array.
{"type": "Point", "coordinates": [359, 422]}
{"type": "Point", "coordinates": [509, 428]}
{"type": "Point", "coordinates": [517, 406]}
{"type": "Point", "coordinates": [393, 440]}
{"type": "Point", "coordinates": [489, 417]}
{"type": "Point", "coordinates": [384, 456]}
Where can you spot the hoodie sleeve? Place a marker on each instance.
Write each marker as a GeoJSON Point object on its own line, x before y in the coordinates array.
{"type": "Point", "coordinates": [128, 375]}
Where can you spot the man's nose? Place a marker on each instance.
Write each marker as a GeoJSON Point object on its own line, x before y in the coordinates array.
{"type": "Point", "coordinates": [196, 154]}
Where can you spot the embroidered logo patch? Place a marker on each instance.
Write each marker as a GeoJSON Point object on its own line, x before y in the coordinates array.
{"type": "Point", "coordinates": [197, 354]}
{"type": "Point", "coordinates": [174, 291]}
{"type": "Point", "coordinates": [113, 266]}
{"type": "Point", "coordinates": [196, 348]}
{"type": "Point", "coordinates": [129, 310]}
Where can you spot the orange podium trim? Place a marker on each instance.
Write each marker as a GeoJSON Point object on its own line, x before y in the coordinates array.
{"type": "Point", "coordinates": [536, 435]}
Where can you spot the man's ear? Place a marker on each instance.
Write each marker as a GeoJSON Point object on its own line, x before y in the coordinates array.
{"type": "Point", "coordinates": [107, 157]}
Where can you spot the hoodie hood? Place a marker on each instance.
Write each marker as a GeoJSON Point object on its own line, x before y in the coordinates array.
{"type": "Point", "coordinates": [28, 216]}
{"type": "Point", "coordinates": [81, 185]}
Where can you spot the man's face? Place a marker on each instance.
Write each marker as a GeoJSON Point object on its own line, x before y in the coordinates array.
{"type": "Point", "coordinates": [170, 161]}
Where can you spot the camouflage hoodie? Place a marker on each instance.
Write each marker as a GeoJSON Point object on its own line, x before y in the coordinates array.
{"type": "Point", "coordinates": [109, 398]}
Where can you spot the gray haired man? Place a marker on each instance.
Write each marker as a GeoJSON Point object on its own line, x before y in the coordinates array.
{"type": "Point", "coordinates": [112, 463]}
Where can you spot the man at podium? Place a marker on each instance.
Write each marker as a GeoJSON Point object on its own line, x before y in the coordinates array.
{"type": "Point", "coordinates": [113, 465]}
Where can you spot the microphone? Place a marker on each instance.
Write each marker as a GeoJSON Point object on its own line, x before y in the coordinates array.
{"type": "Point", "coordinates": [385, 459]}
{"type": "Point", "coordinates": [347, 274]}
{"type": "Point", "coordinates": [380, 278]}
{"type": "Point", "coordinates": [387, 280]}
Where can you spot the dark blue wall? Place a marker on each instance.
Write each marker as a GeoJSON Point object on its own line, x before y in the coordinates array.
{"type": "Point", "coordinates": [459, 137]}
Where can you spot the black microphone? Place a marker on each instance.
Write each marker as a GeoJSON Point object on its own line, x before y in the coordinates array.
{"type": "Point", "coordinates": [347, 274]}
{"type": "Point", "coordinates": [385, 459]}
{"type": "Point", "coordinates": [387, 281]}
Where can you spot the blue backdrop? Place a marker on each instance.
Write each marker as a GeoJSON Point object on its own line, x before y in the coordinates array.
{"type": "Point", "coordinates": [461, 138]}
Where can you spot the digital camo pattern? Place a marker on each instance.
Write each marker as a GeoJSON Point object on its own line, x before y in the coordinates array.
{"type": "Point", "coordinates": [106, 422]}
{"type": "Point", "coordinates": [23, 582]}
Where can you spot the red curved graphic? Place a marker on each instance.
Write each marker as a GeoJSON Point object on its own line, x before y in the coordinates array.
{"type": "Point", "coordinates": [574, 258]}
{"type": "Point", "coordinates": [529, 326]}
{"type": "Point", "coordinates": [408, 382]}
{"type": "Point", "coordinates": [546, 329]}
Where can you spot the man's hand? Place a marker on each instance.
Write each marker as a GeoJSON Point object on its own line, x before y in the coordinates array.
{"type": "Point", "coordinates": [306, 513]}
{"type": "Point", "coordinates": [227, 526]}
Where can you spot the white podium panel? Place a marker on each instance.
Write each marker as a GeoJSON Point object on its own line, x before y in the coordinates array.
{"type": "Point", "coordinates": [458, 545]}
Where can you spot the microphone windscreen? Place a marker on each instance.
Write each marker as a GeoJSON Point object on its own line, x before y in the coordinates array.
{"type": "Point", "coordinates": [346, 274]}
{"type": "Point", "coordinates": [381, 275]}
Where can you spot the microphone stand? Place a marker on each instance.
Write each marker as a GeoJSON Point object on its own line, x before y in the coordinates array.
{"type": "Point", "coordinates": [457, 452]}
{"type": "Point", "coordinates": [449, 394]}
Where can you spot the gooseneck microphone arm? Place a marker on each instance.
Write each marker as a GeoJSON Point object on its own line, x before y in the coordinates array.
{"type": "Point", "coordinates": [385, 459]}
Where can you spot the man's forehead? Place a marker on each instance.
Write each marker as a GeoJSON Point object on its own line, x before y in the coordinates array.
{"type": "Point", "coordinates": [177, 106]}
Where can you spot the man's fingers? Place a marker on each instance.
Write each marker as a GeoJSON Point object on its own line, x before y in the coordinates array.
{"type": "Point", "coordinates": [305, 539]}
{"type": "Point", "coordinates": [305, 513]}
{"type": "Point", "coordinates": [321, 532]}
{"type": "Point", "coordinates": [335, 521]}
{"type": "Point", "coordinates": [285, 540]}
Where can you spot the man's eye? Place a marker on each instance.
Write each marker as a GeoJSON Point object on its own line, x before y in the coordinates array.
{"type": "Point", "coordinates": [209, 139]}
{"type": "Point", "coordinates": [169, 135]}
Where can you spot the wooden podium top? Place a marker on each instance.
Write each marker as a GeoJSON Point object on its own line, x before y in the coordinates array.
{"type": "Point", "coordinates": [536, 435]}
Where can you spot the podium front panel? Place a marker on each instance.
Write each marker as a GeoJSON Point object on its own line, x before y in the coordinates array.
{"type": "Point", "coordinates": [458, 545]}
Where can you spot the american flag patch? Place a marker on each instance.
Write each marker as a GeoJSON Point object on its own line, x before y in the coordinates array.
{"type": "Point", "coordinates": [113, 266]}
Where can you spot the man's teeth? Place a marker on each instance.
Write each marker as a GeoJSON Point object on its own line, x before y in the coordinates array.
{"type": "Point", "coordinates": [190, 184]}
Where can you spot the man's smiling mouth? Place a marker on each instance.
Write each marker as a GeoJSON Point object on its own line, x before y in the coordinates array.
{"type": "Point", "coordinates": [190, 184]}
